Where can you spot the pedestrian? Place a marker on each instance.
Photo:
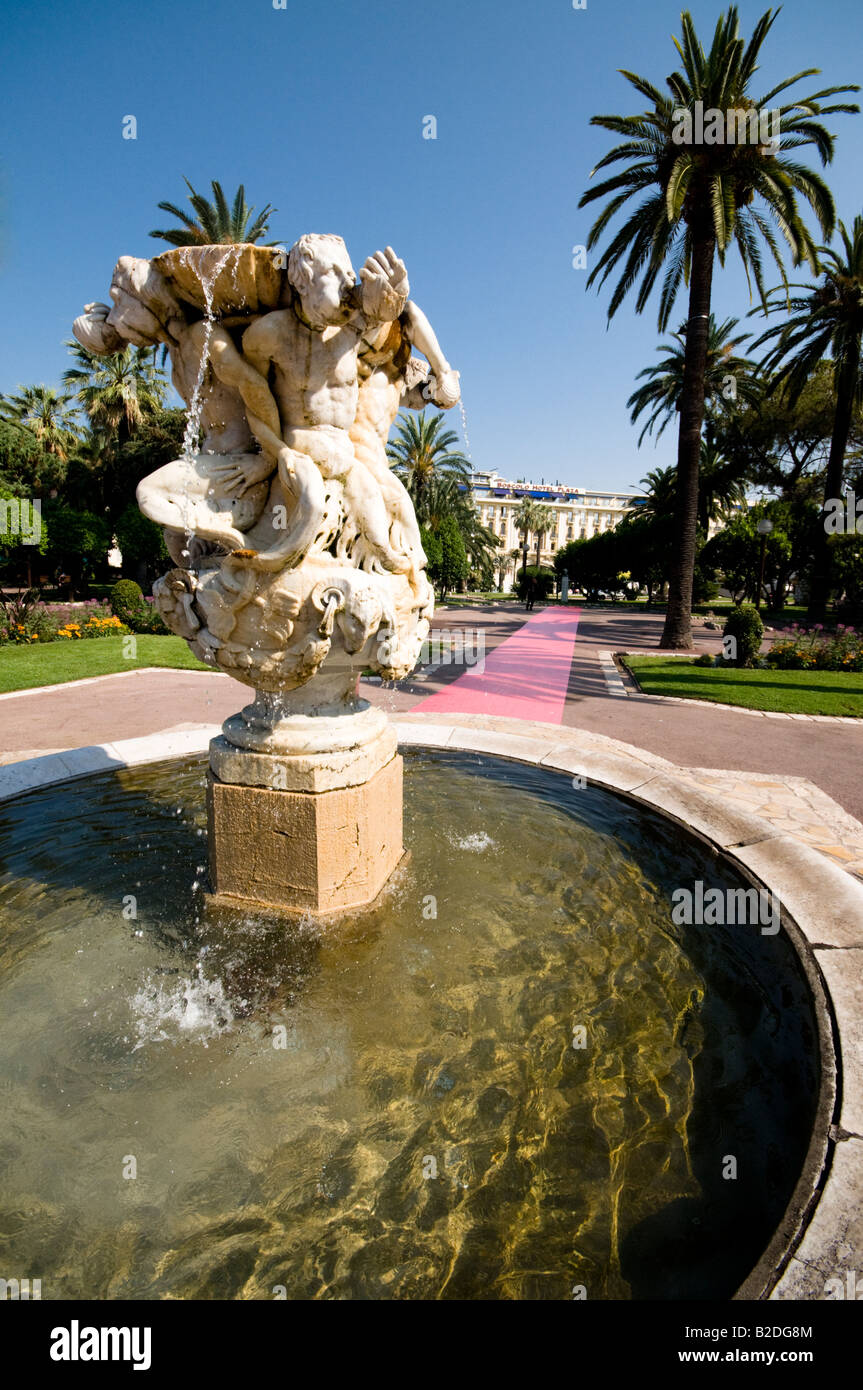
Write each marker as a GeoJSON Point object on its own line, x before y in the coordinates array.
{"type": "Point", "coordinates": [530, 593]}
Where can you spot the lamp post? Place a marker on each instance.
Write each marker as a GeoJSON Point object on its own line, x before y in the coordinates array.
{"type": "Point", "coordinates": [763, 527]}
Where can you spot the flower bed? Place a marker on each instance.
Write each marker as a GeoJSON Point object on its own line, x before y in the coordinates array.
{"type": "Point", "coordinates": [814, 649]}
{"type": "Point", "coordinates": [25, 622]}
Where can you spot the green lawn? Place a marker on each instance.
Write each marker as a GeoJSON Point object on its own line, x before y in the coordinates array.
{"type": "Point", "coordinates": [789, 692]}
{"type": "Point", "coordinates": [24, 668]}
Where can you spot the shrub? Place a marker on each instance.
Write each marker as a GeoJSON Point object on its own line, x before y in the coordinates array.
{"type": "Point", "coordinates": [704, 660]}
{"type": "Point", "coordinates": [745, 626]}
{"type": "Point", "coordinates": [128, 604]}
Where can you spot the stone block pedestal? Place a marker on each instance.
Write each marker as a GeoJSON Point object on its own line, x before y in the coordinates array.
{"type": "Point", "coordinates": [317, 851]}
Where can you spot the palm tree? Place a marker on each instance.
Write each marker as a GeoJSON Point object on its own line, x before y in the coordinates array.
{"type": "Point", "coordinates": [826, 319]}
{"type": "Point", "coordinates": [47, 415]}
{"type": "Point", "coordinates": [719, 488]}
{"type": "Point", "coordinates": [117, 390]}
{"type": "Point", "coordinates": [215, 224]}
{"type": "Point", "coordinates": [663, 390]}
{"type": "Point", "coordinates": [659, 486]}
{"type": "Point", "coordinates": [524, 522]}
{"type": "Point", "coordinates": [480, 543]}
{"type": "Point", "coordinates": [544, 519]}
{"type": "Point", "coordinates": [701, 200]}
{"type": "Point", "coordinates": [421, 453]}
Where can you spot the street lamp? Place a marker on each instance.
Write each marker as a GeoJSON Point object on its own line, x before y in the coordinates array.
{"type": "Point", "coordinates": [763, 527]}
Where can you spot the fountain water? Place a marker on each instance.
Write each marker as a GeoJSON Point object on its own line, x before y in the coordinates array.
{"type": "Point", "coordinates": [207, 277]}
{"type": "Point", "coordinates": [464, 430]}
{"type": "Point", "coordinates": [391, 1104]}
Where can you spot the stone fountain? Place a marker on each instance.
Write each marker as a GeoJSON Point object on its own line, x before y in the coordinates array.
{"type": "Point", "coordinates": [297, 556]}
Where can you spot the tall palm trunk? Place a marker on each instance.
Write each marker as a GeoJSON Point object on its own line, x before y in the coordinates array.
{"type": "Point", "coordinates": [538, 545]}
{"type": "Point", "coordinates": [677, 633]}
{"type": "Point", "coordinates": [819, 593]}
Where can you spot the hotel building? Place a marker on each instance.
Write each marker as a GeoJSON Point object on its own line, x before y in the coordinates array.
{"type": "Point", "coordinates": [580, 513]}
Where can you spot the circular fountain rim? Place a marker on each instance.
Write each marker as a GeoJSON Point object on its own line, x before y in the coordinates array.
{"type": "Point", "coordinates": [818, 900]}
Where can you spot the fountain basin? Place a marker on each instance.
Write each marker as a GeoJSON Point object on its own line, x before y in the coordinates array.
{"type": "Point", "coordinates": [250, 281]}
{"type": "Point", "coordinates": [287, 1182]}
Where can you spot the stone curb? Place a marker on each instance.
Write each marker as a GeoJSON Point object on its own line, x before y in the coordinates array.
{"type": "Point", "coordinates": [821, 1235]}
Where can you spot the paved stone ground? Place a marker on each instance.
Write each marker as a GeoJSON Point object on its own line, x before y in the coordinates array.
{"type": "Point", "coordinates": [801, 775]}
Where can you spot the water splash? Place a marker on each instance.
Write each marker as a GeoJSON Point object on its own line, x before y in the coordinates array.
{"type": "Point", "coordinates": [197, 1008]}
{"type": "Point", "coordinates": [474, 844]}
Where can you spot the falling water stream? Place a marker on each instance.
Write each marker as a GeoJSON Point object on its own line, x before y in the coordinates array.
{"type": "Point", "coordinates": [192, 432]}
{"type": "Point", "coordinates": [464, 429]}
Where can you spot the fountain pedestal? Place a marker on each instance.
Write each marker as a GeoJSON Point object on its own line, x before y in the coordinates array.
{"type": "Point", "coordinates": [304, 809]}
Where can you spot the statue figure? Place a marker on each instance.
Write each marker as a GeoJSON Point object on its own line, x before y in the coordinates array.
{"type": "Point", "coordinates": [291, 536]}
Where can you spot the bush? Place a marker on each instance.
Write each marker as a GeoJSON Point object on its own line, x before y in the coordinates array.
{"type": "Point", "coordinates": [128, 604]}
{"type": "Point", "coordinates": [543, 580]}
{"type": "Point", "coordinates": [745, 626]}
{"type": "Point", "coordinates": [704, 660]}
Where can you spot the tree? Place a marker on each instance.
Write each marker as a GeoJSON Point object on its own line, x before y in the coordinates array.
{"type": "Point", "coordinates": [660, 490]}
{"type": "Point", "coordinates": [421, 454]}
{"type": "Point", "coordinates": [735, 551]}
{"type": "Point", "coordinates": [453, 562]}
{"type": "Point", "coordinates": [524, 522]}
{"type": "Point", "coordinates": [25, 464]}
{"type": "Point", "coordinates": [46, 414]}
{"type": "Point", "coordinates": [784, 447]}
{"type": "Point", "coordinates": [701, 201]}
{"type": "Point", "coordinates": [827, 318]}
{"type": "Point", "coordinates": [662, 391]}
{"type": "Point", "coordinates": [481, 548]}
{"type": "Point", "coordinates": [79, 539]}
{"type": "Point", "coordinates": [593, 564]}
{"type": "Point", "coordinates": [644, 540]}
{"type": "Point", "coordinates": [116, 391]}
{"type": "Point", "coordinates": [720, 487]}
{"type": "Point", "coordinates": [544, 519]}
{"type": "Point", "coordinates": [141, 543]}
{"type": "Point", "coordinates": [215, 224]}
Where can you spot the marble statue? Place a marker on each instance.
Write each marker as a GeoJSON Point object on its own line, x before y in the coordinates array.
{"type": "Point", "coordinates": [297, 556]}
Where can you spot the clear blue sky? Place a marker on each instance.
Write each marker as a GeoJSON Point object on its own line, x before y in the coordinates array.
{"type": "Point", "coordinates": [318, 109]}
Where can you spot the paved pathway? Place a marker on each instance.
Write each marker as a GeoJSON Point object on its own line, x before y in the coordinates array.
{"type": "Point", "coordinates": [525, 677]}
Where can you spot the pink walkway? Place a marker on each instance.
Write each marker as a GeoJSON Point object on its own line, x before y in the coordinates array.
{"type": "Point", "coordinates": [526, 677]}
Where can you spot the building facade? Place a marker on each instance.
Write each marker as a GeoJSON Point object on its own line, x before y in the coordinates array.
{"type": "Point", "coordinates": [580, 514]}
